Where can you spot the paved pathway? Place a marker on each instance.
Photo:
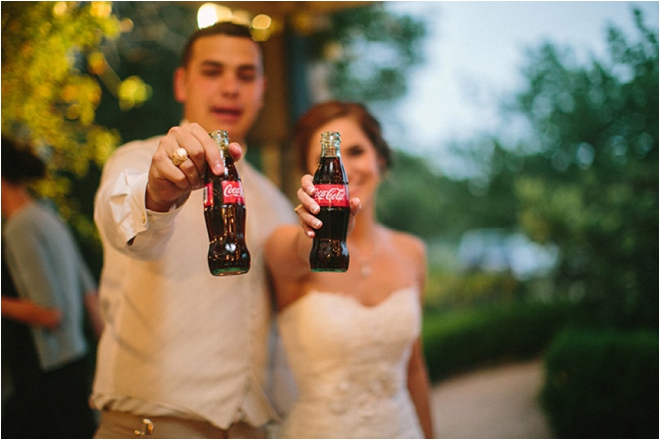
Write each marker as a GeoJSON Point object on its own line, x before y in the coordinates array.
{"type": "Point", "coordinates": [499, 402]}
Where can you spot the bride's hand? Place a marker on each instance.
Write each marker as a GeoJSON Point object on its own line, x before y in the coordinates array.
{"type": "Point", "coordinates": [308, 208]}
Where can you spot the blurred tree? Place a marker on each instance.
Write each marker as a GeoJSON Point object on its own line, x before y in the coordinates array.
{"type": "Point", "coordinates": [368, 52]}
{"type": "Point", "coordinates": [416, 198]}
{"type": "Point", "coordinates": [413, 198]}
{"type": "Point", "coordinates": [151, 51]}
{"type": "Point", "coordinates": [588, 178]}
{"type": "Point", "coordinates": [52, 62]}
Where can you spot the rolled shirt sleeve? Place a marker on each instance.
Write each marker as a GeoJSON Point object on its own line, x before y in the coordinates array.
{"type": "Point", "coordinates": [120, 211]}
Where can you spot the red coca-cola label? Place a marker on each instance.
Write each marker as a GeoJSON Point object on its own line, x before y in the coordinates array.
{"type": "Point", "coordinates": [331, 196]}
{"type": "Point", "coordinates": [232, 193]}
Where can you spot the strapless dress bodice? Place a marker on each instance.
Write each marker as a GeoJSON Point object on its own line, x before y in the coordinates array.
{"type": "Point", "coordinates": [350, 364]}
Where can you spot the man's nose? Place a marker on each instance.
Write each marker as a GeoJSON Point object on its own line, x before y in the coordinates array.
{"type": "Point", "coordinates": [229, 85]}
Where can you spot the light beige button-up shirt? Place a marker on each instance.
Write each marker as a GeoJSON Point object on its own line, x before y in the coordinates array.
{"type": "Point", "coordinates": [179, 341]}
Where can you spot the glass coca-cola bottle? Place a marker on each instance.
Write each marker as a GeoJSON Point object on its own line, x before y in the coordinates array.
{"type": "Point", "coordinates": [225, 214]}
{"type": "Point", "coordinates": [329, 251]}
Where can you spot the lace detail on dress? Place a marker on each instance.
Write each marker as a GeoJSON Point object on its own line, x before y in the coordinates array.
{"type": "Point", "coordinates": [350, 363]}
{"type": "Point", "coordinates": [362, 388]}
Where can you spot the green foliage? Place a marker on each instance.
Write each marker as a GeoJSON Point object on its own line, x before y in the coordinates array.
{"type": "Point", "coordinates": [586, 178]}
{"type": "Point", "coordinates": [463, 340]}
{"type": "Point", "coordinates": [602, 384]}
{"type": "Point", "coordinates": [152, 52]}
{"type": "Point", "coordinates": [455, 291]}
{"type": "Point", "coordinates": [44, 91]}
{"type": "Point", "coordinates": [593, 186]}
{"type": "Point", "coordinates": [412, 188]}
{"type": "Point", "coordinates": [51, 62]}
{"type": "Point", "coordinates": [368, 52]}
{"type": "Point", "coordinates": [433, 204]}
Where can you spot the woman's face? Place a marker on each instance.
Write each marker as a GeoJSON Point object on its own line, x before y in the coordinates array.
{"type": "Point", "coordinates": [358, 155]}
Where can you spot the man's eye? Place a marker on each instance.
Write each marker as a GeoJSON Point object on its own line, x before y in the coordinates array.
{"type": "Point", "coordinates": [247, 76]}
{"type": "Point", "coordinates": [211, 72]}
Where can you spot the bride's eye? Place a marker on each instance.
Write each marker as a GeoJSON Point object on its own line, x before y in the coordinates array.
{"type": "Point", "coordinates": [354, 151]}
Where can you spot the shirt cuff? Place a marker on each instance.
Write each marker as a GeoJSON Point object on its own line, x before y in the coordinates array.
{"type": "Point", "coordinates": [143, 229]}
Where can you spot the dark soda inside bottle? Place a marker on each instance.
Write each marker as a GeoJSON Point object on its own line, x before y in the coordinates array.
{"type": "Point", "coordinates": [225, 215]}
{"type": "Point", "coordinates": [329, 250]}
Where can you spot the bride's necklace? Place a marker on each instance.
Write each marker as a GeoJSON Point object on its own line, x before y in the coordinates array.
{"type": "Point", "coordinates": [365, 260]}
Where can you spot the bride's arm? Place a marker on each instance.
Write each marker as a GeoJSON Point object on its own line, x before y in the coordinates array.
{"type": "Point", "coordinates": [287, 259]}
{"type": "Point", "coordinates": [419, 384]}
{"type": "Point", "coordinates": [419, 388]}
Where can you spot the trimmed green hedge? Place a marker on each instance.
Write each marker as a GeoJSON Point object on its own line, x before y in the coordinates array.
{"type": "Point", "coordinates": [463, 340]}
{"type": "Point", "coordinates": [602, 384]}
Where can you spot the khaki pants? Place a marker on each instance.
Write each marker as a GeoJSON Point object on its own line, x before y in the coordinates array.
{"type": "Point", "coordinates": [124, 425]}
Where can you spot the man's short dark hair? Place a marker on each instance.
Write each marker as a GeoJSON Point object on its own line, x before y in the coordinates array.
{"type": "Point", "coordinates": [221, 28]}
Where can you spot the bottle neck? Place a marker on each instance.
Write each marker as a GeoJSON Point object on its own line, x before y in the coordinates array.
{"type": "Point", "coordinates": [330, 151]}
{"type": "Point", "coordinates": [221, 139]}
{"type": "Point", "coordinates": [330, 142]}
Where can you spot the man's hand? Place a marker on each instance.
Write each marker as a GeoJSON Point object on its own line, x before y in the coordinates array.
{"type": "Point", "coordinates": [169, 184]}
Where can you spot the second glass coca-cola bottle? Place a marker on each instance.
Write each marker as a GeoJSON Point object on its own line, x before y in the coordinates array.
{"type": "Point", "coordinates": [225, 215]}
{"type": "Point", "coordinates": [329, 250]}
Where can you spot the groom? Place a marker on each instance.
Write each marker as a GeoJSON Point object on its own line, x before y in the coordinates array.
{"type": "Point", "coordinates": [184, 354]}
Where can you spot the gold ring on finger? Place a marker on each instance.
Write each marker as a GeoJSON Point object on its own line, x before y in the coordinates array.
{"type": "Point", "coordinates": [180, 156]}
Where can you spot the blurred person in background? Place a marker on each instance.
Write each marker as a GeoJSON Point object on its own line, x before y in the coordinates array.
{"type": "Point", "coordinates": [46, 289]}
{"type": "Point", "coordinates": [185, 354]}
{"type": "Point", "coordinates": [352, 339]}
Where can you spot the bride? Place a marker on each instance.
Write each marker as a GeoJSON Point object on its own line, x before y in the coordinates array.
{"type": "Point", "coordinates": [352, 339]}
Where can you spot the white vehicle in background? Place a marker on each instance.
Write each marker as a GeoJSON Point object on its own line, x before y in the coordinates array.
{"type": "Point", "coordinates": [499, 250]}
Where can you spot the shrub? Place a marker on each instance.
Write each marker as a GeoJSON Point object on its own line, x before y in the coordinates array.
{"type": "Point", "coordinates": [451, 291]}
{"type": "Point", "coordinates": [462, 340]}
{"type": "Point", "coordinates": [602, 384]}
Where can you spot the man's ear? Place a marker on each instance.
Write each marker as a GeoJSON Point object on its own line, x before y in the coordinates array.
{"type": "Point", "coordinates": [180, 85]}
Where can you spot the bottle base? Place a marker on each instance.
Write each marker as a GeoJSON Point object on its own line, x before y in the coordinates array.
{"type": "Point", "coordinates": [329, 269]}
{"type": "Point", "coordinates": [228, 271]}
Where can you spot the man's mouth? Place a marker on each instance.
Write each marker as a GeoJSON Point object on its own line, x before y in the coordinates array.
{"type": "Point", "coordinates": [227, 112]}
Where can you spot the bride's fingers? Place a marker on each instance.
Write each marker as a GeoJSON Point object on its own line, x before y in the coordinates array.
{"type": "Point", "coordinates": [307, 219]}
{"type": "Point", "coordinates": [307, 201]}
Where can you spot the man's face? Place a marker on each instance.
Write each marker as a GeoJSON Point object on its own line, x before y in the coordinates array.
{"type": "Point", "coordinates": [222, 88]}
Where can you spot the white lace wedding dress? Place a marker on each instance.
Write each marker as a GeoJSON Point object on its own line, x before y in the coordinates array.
{"type": "Point", "coordinates": [350, 363]}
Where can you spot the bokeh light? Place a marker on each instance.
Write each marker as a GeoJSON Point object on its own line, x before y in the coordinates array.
{"type": "Point", "coordinates": [262, 25]}
{"type": "Point", "coordinates": [210, 13]}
